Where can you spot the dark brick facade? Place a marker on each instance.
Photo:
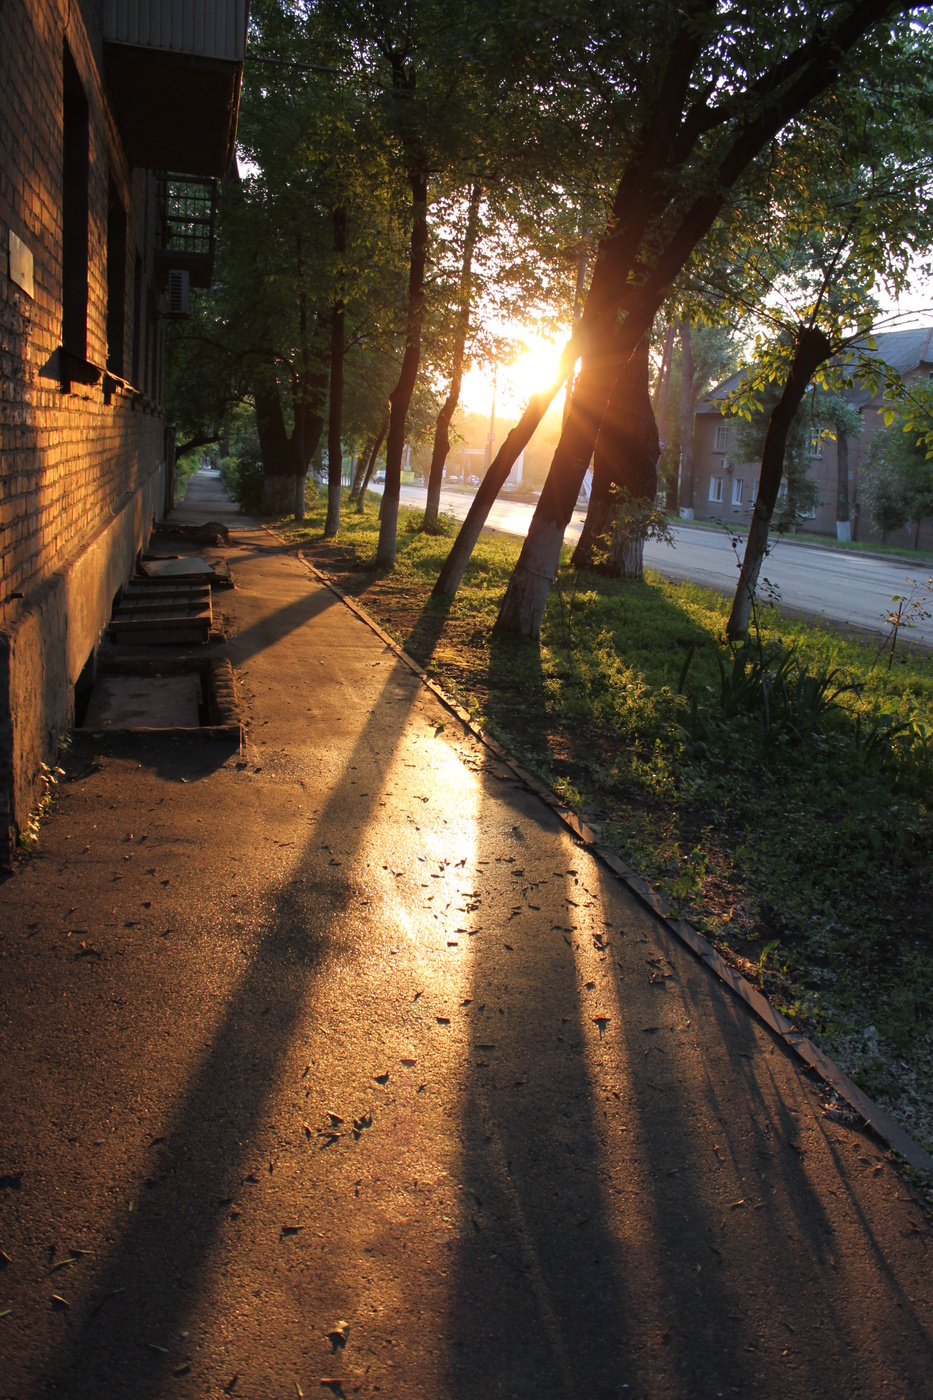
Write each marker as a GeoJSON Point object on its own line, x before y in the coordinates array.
{"type": "Point", "coordinates": [81, 464]}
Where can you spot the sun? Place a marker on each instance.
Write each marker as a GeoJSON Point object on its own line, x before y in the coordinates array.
{"type": "Point", "coordinates": [515, 382]}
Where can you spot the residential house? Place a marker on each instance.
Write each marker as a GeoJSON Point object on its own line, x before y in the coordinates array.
{"type": "Point", "coordinates": [725, 487]}
{"type": "Point", "coordinates": [116, 119]}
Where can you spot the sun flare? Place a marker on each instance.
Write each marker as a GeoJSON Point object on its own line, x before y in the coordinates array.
{"type": "Point", "coordinates": [515, 382]}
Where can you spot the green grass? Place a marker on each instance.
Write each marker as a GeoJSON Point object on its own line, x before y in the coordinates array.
{"type": "Point", "coordinates": [805, 854]}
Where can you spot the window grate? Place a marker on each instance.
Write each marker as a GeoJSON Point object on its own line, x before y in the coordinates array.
{"type": "Point", "coordinates": [187, 208]}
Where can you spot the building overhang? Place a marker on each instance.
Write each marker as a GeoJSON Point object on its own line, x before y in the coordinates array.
{"type": "Point", "coordinates": [173, 75]}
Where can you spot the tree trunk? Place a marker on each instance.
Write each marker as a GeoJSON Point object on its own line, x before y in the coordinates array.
{"type": "Point", "coordinates": [811, 350]}
{"type": "Point", "coordinates": [687, 413]}
{"type": "Point", "coordinates": [599, 516]}
{"type": "Point", "coordinates": [659, 404]}
{"type": "Point", "coordinates": [843, 528]}
{"type": "Point", "coordinates": [451, 574]}
{"type": "Point", "coordinates": [400, 398]}
{"type": "Point", "coordinates": [373, 458]}
{"type": "Point", "coordinates": [335, 412]}
{"type": "Point", "coordinates": [276, 448]}
{"type": "Point", "coordinates": [360, 472]}
{"type": "Point", "coordinates": [626, 456]}
{"type": "Point", "coordinates": [442, 430]}
{"type": "Point", "coordinates": [523, 606]}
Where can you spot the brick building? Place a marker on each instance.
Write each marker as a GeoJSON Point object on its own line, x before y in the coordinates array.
{"type": "Point", "coordinates": [99, 99]}
{"type": "Point", "coordinates": [725, 488]}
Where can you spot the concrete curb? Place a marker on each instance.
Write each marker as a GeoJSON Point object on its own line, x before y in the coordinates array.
{"type": "Point", "coordinates": [881, 1123]}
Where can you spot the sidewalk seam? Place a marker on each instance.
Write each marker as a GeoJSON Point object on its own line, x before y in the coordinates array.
{"type": "Point", "coordinates": [881, 1122]}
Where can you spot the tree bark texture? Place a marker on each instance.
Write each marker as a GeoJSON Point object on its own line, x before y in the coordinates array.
{"type": "Point", "coordinates": [370, 465]}
{"type": "Point", "coordinates": [843, 528]}
{"type": "Point", "coordinates": [400, 398]}
{"type": "Point", "coordinates": [442, 430]}
{"type": "Point", "coordinates": [673, 126]}
{"type": "Point", "coordinates": [279, 458]}
{"type": "Point", "coordinates": [335, 409]}
{"type": "Point", "coordinates": [626, 456]}
{"type": "Point", "coordinates": [359, 473]}
{"type": "Point", "coordinates": [811, 350]}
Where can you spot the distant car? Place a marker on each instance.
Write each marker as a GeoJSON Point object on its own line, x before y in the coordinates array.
{"type": "Point", "coordinates": [474, 480]}
{"type": "Point", "coordinates": [379, 478]}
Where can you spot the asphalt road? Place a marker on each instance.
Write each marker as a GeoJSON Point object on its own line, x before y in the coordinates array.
{"type": "Point", "coordinates": [334, 1067]}
{"type": "Point", "coordinates": [848, 589]}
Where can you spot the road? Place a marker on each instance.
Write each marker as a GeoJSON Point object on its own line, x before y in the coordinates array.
{"type": "Point", "coordinates": [849, 589]}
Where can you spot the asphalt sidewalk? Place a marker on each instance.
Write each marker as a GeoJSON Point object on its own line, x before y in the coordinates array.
{"type": "Point", "coordinates": [335, 1062]}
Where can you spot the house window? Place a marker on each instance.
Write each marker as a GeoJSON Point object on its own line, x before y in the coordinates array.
{"type": "Point", "coordinates": [116, 281]}
{"type": "Point", "coordinates": [715, 488]}
{"type": "Point", "coordinates": [722, 437]}
{"type": "Point", "coordinates": [816, 445]}
{"type": "Point", "coordinates": [75, 167]}
{"type": "Point", "coordinates": [738, 490]}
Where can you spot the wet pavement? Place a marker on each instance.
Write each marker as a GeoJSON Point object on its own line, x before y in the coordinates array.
{"type": "Point", "coordinates": [334, 1065]}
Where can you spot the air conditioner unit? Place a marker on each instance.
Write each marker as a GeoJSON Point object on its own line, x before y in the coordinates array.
{"type": "Point", "coordinates": [177, 293]}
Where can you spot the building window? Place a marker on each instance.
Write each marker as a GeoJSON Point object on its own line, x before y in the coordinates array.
{"type": "Point", "coordinates": [715, 488]}
{"type": "Point", "coordinates": [75, 167]}
{"type": "Point", "coordinates": [738, 490]}
{"type": "Point", "coordinates": [816, 445]}
{"type": "Point", "coordinates": [116, 281]}
{"type": "Point", "coordinates": [722, 437]}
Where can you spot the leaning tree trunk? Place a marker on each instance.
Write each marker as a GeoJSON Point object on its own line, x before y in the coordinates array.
{"type": "Point", "coordinates": [442, 430]}
{"type": "Point", "coordinates": [400, 398]}
{"type": "Point", "coordinates": [335, 412]}
{"type": "Point", "coordinates": [373, 458]}
{"type": "Point", "coordinates": [451, 574]}
{"type": "Point", "coordinates": [811, 350]}
{"type": "Point", "coordinates": [359, 474]}
{"type": "Point", "coordinates": [626, 458]}
{"type": "Point", "coordinates": [843, 527]}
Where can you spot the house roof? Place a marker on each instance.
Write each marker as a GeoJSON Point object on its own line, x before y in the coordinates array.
{"type": "Point", "coordinates": [903, 350]}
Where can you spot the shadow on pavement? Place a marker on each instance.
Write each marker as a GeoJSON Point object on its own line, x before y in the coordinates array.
{"type": "Point", "coordinates": [161, 1258]}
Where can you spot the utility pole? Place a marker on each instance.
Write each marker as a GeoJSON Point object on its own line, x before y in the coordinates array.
{"type": "Point", "coordinates": [491, 435]}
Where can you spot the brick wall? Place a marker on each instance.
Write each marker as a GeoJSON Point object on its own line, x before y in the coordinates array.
{"type": "Point", "coordinates": [72, 460]}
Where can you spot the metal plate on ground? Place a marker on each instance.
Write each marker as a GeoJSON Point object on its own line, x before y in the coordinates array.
{"type": "Point", "coordinates": [191, 566]}
{"type": "Point", "coordinates": [144, 702]}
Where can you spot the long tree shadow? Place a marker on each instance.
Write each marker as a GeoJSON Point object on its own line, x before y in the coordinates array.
{"type": "Point", "coordinates": [641, 1209]}
{"type": "Point", "coordinates": [164, 1254]}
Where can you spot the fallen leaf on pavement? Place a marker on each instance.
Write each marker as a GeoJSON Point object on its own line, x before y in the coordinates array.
{"type": "Point", "coordinates": [382, 1078]}
{"type": "Point", "coordinates": [339, 1334]}
{"type": "Point", "coordinates": [59, 1302]}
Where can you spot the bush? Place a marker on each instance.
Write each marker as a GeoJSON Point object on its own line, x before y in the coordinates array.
{"type": "Point", "coordinates": [243, 478]}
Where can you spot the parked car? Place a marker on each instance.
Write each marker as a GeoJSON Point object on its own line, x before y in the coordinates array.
{"type": "Point", "coordinates": [379, 478]}
{"type": "Point", "coordinates": [474, 480]}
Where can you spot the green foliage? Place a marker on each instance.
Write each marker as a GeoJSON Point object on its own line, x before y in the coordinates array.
{"type": "Point", "coordinates": [897, 476]}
